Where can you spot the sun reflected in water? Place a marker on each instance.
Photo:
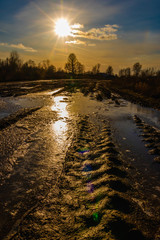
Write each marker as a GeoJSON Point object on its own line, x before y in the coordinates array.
{"type": "Point", "coordinates": [60, 127]}
{"type": "Point", "coordinates": [60, 106]}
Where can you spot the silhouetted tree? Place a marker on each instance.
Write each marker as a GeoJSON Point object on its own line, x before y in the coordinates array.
{"type": "Point", "coordinates": [122, 72]}
{"type": "Point", "coordinates": [79, 68]}
{"type": "Point", "coordinates": [109, 71]}
{"type": "Point", "coordinates": [70, 66]}
{"type": "Point", "coordinates": [60, 70]}
{"type": "Point", "coordinates": [14, 64]}
{"type": "Point", "coordinates": [137, 69]}
{"type": "Point", "coordinates": [50, 72]}
{"type": "Point", "coordinates": [31, 63]}
{"type": "Point", "coordinates": [45, 64]}
{"type": "Point", "coordinates": [158, 73]}
{"type": "Point", "coordinates": [14, 60]}
{"type": "Point", "coordinates": [149, 72]}
{"type": "Point", "coordinates": [73, 65]}
{"type": "Point", "coordinates": [127, 72]}
{"type": "Point", "coordinates": [96, 68]}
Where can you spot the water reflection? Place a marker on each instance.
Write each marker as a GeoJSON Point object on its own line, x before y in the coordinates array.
{"type": "Point", "coordinates": [150, 115]}
{"type": "Point", "coordinates": [54, 92]}
{"type": "Point", "coordinates": [60, 127]}
{"type": "Point", "coordinates": [60, 106]}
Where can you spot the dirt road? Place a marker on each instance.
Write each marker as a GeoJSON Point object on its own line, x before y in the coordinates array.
{"type": "Point", "coordinates": [67, 171]}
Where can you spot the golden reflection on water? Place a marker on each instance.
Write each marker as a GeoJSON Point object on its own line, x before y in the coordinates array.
{"type": "Point", "coordinates": [60, 106]}
{"type": "Point", "coordinates": [60, 127]}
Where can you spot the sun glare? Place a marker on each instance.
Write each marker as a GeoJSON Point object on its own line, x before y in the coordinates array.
{"type": "Point", "coordinates": [62, 28]}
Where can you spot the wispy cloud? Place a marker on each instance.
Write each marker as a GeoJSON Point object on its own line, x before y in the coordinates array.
{"type": "Point", "coordinates": [77, 26]}
{"type": "Point", "coordinates": [108, 32]}
{"type": "Point", "coordinates": [77, 42]}
{"type": "Point", "coordinates": [18, 46]}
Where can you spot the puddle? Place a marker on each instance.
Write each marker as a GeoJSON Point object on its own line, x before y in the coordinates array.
{"type": "Point", "coordinates": [61, 127]}
{"type": "Point", "coordinates": [60, 105]}
{"type": "Point", "coordinates": [7, 107]}
{"type": "Point", "coordinates": [149, 115]}
{"type": "Point", "coordinates": [124, 129]}
{"type": "Point", "coordinates": [127, 134]}
{"type": "Point", "coordinates": [55, 91]}
{"type": "Point", "coordinates": [47, 146]}
{"type": "Point", "coordinates": [10, 105]}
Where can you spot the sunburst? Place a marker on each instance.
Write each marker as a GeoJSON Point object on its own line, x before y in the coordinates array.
{"type": "Point", "coordinates": [62, 27]}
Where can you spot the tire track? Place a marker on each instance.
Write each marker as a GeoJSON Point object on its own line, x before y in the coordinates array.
{"type": "Point", "coordinates": [151, 136]}
{"type": "Point", "coordinates": [92, 200]}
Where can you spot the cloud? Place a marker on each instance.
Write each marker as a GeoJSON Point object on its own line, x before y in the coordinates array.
{"type": "Point", "coordinates": [18, 46]}
{"type": "Point", "coordinates": [77, 26]}
{"type": "Point", "coordinates": [78, 42]}
{"type": "Point", "coordinates": [108, 32]}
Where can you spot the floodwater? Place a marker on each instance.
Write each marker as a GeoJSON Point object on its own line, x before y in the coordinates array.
{"type": "Point", "coordinates": [37, 147]}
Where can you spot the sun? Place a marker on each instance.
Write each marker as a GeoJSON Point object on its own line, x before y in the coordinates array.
{"type": "Point", "coordinates": [62, 28]}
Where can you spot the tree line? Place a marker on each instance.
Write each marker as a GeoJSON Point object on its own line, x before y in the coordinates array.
{"type": "Point", "coordinates": [13, 68]}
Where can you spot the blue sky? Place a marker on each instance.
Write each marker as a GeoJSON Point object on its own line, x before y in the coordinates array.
{"type": "Point", "coordinates": [116, 32]}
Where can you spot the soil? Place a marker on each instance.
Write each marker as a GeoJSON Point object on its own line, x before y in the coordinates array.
{"type": "Point", "coordinates": [63, 174]}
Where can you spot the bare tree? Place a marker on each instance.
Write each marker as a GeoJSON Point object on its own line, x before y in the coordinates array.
{"type": "Point", "coordinates": [109, 71]}
{"type": "Point", "coordinates": [158, 73]}
{"type": "Point", "coordinates": [50, 71]}
{"type": "Point", "coordinates": [96, 68]}
{"type": "Point", "coordinates": [79, 68]}
{"type": "Point", "coordinates": [137, 69]}
{"type": "Point", "coordinates": [45, 64]}
{"type": "Point", "coordinates": [149, 72]}
{"type": "Point", "coordinates": [127, 72]}
{"type": "Point", "coordinates": [15, 61]}
{"type": "Point", "coordinates": [122, 72]}
{"type": "Point", "coordinates": [31, 63]}
{"type": "Point", "coordinates": [70, 66]}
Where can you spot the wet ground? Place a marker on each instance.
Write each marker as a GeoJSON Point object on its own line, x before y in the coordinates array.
{"type": "Point", "coordinates": [78, 168]}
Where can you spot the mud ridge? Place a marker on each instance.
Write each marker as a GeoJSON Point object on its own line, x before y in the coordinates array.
{"type": "Point", "coordinates": [92, 198]}
{"type": "Point", "coordinates": [13, 118]}
{"type": "Point", "coordinates": [151, 136]}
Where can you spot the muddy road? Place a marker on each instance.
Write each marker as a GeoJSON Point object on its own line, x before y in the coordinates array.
{"type": "Point", "coordinates": [78, 162]}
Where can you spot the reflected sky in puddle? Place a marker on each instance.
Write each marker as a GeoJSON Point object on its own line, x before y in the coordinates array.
{"type": "Point", "coordinates": [60, 127]}
{"type": "Point", "coordinates": [150, 115]}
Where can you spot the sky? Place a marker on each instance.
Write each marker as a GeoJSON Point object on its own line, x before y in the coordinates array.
{"type": "Point", "coordinates": [109, 32]}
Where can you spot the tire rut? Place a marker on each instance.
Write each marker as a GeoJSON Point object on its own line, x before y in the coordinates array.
{"type": "Point", "coordinates": [92, 200]}
{"type": "Point", "coordinates": [151, 136]}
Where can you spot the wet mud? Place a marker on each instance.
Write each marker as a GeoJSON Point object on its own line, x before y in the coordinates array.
{"type": "Point", "coordinates": [63, 175]}
{"type": "Point", "coordinates": [13, 118]}
{"type": "Point", "coordinates": [151, 136]}
{"type": "Point", "coordinates": [16, 89]}
{"type": "Point", "coordinates": [92, 199]}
